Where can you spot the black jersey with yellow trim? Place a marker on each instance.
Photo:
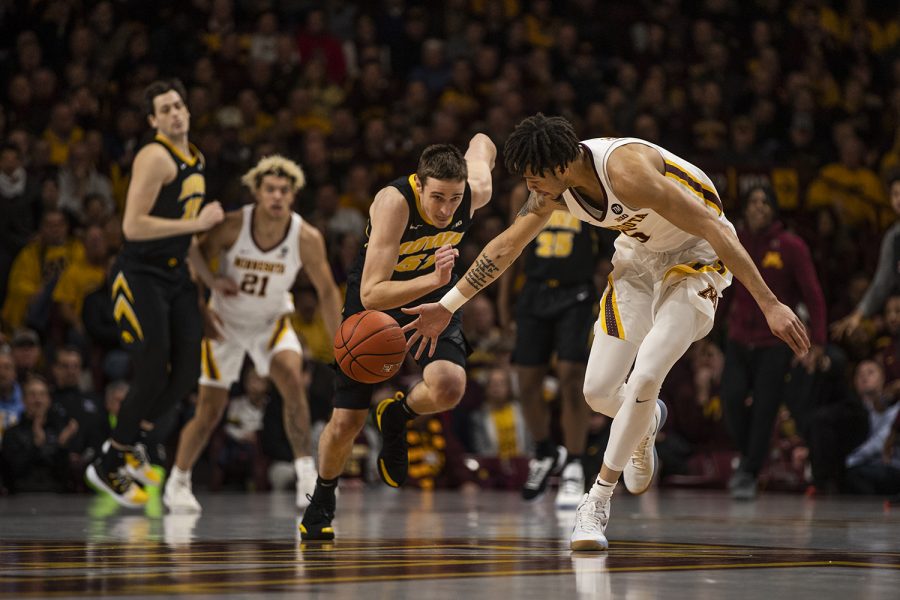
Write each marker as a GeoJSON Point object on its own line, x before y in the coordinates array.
{"type": "Point", "coordinates": [421, 239]}
{"type": "Point", "coordinates": [182, 198]}
{"type": "Point", "coordinates": [565, 251]}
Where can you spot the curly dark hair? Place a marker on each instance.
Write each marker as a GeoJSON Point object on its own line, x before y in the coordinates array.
{"type": "Point", "coordinates": [540, 143]}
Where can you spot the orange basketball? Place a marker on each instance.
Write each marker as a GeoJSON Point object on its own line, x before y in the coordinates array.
{"type": "Point", "coordinates": [369, 346]}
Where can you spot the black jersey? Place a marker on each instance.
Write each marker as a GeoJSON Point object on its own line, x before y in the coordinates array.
{"type": "Point", "coordinates": [564, 251]}
{"type": "Point", "coordinates": [180, 199]}
{"type": "Point", "coordinates": [421, 239]}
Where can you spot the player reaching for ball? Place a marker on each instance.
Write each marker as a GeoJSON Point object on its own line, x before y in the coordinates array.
{"type": "Point", "coordinates": [675, 254]}
{"type": "Point", "coordinates": [415, 223]}
{"type": "Point", "coordinates": [260, 249]}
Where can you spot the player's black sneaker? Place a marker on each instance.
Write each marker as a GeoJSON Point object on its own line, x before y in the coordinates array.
{"type": "Point", "coordinates": [393, 460]}
{"type": "Point", "coordinates": [540, 470]}
{"type": "Point", "coordinates": [115, 482]}
{"type": "Point", "coordinates": [316, 523]}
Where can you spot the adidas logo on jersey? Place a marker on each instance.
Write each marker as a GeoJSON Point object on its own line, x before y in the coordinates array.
{"type": "Point", "coordinates": [415, 226]}
{"type": "Point", "coordinates": [457, 224]}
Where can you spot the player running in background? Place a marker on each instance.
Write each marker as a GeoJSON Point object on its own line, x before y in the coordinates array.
{"type": "Point", "coordinates": [261, 249]}
{"type": "Point", "coordinates": [154, 299]}
{"type": "Point", "coordinates": [553, 314]}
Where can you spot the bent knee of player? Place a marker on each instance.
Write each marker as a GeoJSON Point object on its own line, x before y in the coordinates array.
{"type": "Point", "coordinates": [346, 424]}
{"type": "Point", "coordinates": [600, 394]}
{"type": "Point", "coordinates": [447, 390]}
{"type": "Point", "coordinates": [644, 386]}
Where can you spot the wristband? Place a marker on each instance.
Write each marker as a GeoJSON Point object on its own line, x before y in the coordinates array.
{"type": "Point", "coordinates": [453, 300]}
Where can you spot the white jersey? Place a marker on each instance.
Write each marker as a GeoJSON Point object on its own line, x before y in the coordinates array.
{"type": "Point", "coordinates": [264, 277]}
{"type": "Point", "coordinates": [644, 226]}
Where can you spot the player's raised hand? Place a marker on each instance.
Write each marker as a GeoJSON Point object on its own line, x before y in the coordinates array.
{"type": "Point", "coordinates": [432, 321]}
{"type": "Point", "coordinates": [444, 259]}
{"type": "Point", "coordinates": [225, 285]}
{"type": "Point", "coordinates": [210, 215]}
{"type": "Point", "coordinates": [788, 327]}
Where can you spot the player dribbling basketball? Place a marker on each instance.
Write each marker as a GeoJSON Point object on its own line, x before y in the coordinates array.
{"type": "Point", "coordinates": [414, 225]}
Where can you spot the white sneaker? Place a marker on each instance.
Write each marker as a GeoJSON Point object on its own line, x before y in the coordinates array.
{"type": "Point", "coordinates": [639, 471]}
{"type": "Point", "coordinates": [571, 486]}
{"type": "Point", "coordinates": [179, 497]}
{"type": "Point", "coordinates": [306, 481]}
{"type": "Point", "coordinates": [591, 518]}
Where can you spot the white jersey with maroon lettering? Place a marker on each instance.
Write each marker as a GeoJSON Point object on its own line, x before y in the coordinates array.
{"type": "Point", "coordinates": [264, 276]}
{"type": "Point", "coordinates": [654, 232]}
{"type": "Point", "coordinates": [254, 321]}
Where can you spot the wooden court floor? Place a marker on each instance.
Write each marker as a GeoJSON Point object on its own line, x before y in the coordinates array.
{"type": "Point", "coordinates": [410, 544]}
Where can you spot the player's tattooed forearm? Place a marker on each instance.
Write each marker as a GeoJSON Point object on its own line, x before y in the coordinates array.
{"type": "Point", "coordinates": [482, 272]}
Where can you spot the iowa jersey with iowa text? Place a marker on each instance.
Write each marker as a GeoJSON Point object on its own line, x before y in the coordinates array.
{"type": "Point", "coordinates": [421, 239]}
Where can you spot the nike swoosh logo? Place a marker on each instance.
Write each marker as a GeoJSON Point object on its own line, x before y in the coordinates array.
{"type": "Point", "coordinates": [647, 400]}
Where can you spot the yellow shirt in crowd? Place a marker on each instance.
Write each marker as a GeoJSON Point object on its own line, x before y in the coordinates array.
{"type": "Point", "coordinates": [857, 194]}
{"type": "Point", "coordinates": [77, 281]}
{"type": "Point", "coordinates": [33, 267]}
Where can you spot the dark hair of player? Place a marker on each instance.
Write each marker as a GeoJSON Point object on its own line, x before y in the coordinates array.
{"type": "Point", "coordinates": [540, 143]}
{"type": "Point", "coordinates": [442, 161]}
{"type": "Point", "coordinates": [160, 87]}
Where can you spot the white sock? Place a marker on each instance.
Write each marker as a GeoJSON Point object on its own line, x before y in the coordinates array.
{"type": "Point", "coordinates": [603, 488]}
{"type": "Point", "coordinates": [299, 465]}
{"type": "Point", "coordinates": [180, 475]}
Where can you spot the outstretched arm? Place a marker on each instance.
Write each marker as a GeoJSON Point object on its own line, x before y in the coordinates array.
{"type": "Point", "coordinates": [494, 259]}
{"type": "Point", "coordinates": [636, 173]}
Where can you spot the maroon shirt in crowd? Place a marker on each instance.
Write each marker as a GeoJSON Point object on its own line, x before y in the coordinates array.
{"type": "Point", "coordinates": [784, 261]}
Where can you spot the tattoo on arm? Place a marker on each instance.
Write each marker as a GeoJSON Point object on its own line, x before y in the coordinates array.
{"type": "Point", "coordinates": [482, 272]}
{"type": "Point", "coordinates": [535, 203]}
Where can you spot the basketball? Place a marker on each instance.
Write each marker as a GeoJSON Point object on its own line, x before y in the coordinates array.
{"type": "Point", "coordinates": [369, 346]}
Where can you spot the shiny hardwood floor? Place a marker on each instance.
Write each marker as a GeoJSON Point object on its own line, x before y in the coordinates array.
{"type": "Point", "coordinates": [409, 544]}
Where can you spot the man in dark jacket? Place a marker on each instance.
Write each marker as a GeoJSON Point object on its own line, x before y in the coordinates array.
{"type": "Point", "coordinates": [36, 455]}
{"type": "Point", "coordinates": [756, 362]}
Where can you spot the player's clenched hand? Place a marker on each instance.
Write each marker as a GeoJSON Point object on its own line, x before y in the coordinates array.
{"type": "Point", "coordinates": [444, 259]}
{"type": "Point", "coordinates": [225, 285]}
{"type": "Point", "coordinates": [788, 327]}
{"type": "Point", "coordinates": [432, 321]}
{"type": "Point", "coordinates": [210, 215]}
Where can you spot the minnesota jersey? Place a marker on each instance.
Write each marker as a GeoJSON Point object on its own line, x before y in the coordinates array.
{"type": "Point", "coordinates": [421, 239]}
{"type": "Point", "coordinates": [264, 276]}
{"type": "Point", "coordinates": [644, 226]}
{"type": "Point", "coordinates": [563, 251]}
{"type": "Point", "coordinates": [180, 199]}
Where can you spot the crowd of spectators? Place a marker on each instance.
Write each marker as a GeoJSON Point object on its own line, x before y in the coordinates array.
{"type": "Point", "coordinates": [801, 97]}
